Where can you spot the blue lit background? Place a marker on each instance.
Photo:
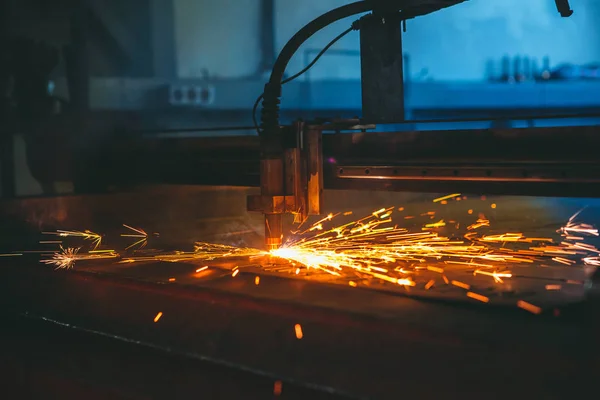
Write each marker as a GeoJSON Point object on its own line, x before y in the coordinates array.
{"type": "Point", "coordinates": [452, 57]}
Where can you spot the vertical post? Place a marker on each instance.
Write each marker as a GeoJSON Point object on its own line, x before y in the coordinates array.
{"type": "Point", "coordinates": [272, 185]}
{"type": "Point", "coordinates": [267, 36]}
{"type": "Point", "coordinates": [382, 69]}
{"type": "Point", "coordinates": [78, 68]}
{"type": "Point", "coordinates": [163, 38]}
{"type": "Point", "coordinates": [7, 164]}
{"type": "Point", "coordinates": [314, 160]}
{"type": "Point", "coordinates": [7, 156]}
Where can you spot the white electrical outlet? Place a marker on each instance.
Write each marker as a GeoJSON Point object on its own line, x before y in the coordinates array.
{"type": "Point", "coordinates": [192, 95]}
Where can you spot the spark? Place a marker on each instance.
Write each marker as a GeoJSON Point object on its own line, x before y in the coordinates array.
{"type": "Point", "coordinates": [376, 249]}
{"type": "Point", "coordinates": [573, 227]}
{"type": "Point", "coordinates": [574, 282]}
{"type": "Point", "coordinates": [479, 297]}
{"type": "Point", "coordinates": [158, 316]}
{"type": "Point", "coordinates": [298, 330]}
{"type": "Point", "coordinates": [95, 238]}
{"type": "Point", "coordinates": [553, 287]}
{"type": "Point", "coordinates": [450, 196]}
{"type": "Point", "coordinates": [139, 234]}
{"type": "Point", "coordinates": [66, 257]}
{"type": "Point", "coordinates": [461, 285]}
{"type": "Point", "coordinates": [496, 275]}
{"type": "Point", "coordinates": [277, 388]}
{"type": "Point", "coordinates": [529, 307]}
{"type": "Point", "coordinates": [436, 269]}
{"type": "Point", "coordinates": [438, 224]}
{"type": "Point", "coordinates": [202, 252]}
{"type": "Point", "coordinates": [481, 222]}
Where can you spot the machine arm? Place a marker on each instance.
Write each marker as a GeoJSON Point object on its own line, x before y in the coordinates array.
{"type": "Point", "coordinates": [564, 8]}
{"type": "Point", "coordinates": [276, 159]}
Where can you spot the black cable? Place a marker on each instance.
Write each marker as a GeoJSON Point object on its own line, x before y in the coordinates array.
{"type": "Point", "coordinates": [270, 139]}
{"type": "Point", "coordinates": [310, 29]}
{"type": "Point", "coordinates": [314, 61]}
{"type": "Point", "coordinates": [302, 72]}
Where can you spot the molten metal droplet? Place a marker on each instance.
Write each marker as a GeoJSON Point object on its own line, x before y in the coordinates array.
{"type": "Point", "coordinates": [277, 387]}
{"type": "Point", "coordinates": [298, 330]}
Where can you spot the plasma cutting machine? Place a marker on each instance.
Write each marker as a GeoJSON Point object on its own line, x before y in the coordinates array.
{"type": "Point", "coordinates": [293, 164]}
{"type": "Point", "coordinates": [292, 161]}
{"type": "Point", "coordinates": [216, 321]}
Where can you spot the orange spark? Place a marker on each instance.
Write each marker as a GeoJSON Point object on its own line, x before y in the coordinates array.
{"type": "Point", "coordinates": [450, 196]}
{"type": "Point", "coordinates": [479, 297]}
{"type": "Point", "coordinates": [461, 285]}
{"type": "Point", "coordinates": [298, 330]}
{"type": "Point", "coordinates": [277, 387]}
{"type": "Point", "coordinates": [529, 307]}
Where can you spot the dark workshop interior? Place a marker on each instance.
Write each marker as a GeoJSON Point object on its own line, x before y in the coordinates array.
{"type": "Point", "coordinates": [317, 199]}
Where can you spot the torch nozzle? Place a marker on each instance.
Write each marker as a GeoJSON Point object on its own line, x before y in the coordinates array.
{"type": "Point", "coordinates": [273, 231]}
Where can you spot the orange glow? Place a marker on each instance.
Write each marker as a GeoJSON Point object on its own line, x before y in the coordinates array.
{"type": "Point", "coordinates": [298, 330]}
{"type": "Point", "coordinates": [529, 307]}
{"type": "Point", "coordinates": [450, 196]}
{"type": "Point", "coordinates": [377, 250]}
{"type": "Point", "coordinates": [461, 285]}
{"type": "Point", "coordinates": [436, 269]}
{"type": "Point", "coordinates": [479, 297]}
{"type": "Point", "coordinates": [160, 314]}
{"type": "Point", "coordinates": [277, 387]}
